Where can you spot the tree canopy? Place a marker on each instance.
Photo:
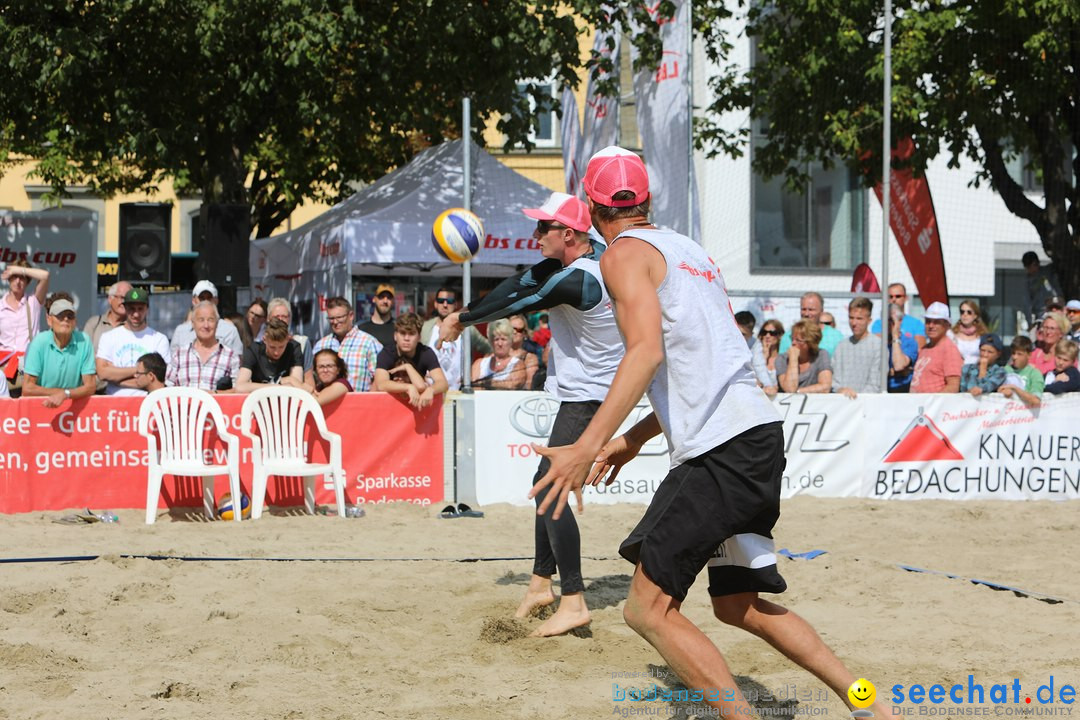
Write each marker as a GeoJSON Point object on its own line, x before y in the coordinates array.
{"type": "Point", "coordinates": [263, 102]}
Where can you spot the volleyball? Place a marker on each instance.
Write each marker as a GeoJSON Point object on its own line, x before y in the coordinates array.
{"type": "Point", "coordinates": [225, 507]}
{"type": "Point", "coordinates": [457, 234]}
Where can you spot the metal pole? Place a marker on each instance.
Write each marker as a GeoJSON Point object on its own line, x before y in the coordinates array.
{"type": "Point", "coordinates": [466, 268]}
{"type": "Point", "coordinates": [690, 125]}
{"type": "Point", "coordinates": [886, 194]}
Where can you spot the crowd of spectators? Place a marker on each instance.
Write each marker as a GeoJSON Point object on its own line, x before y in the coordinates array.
{"type": "Point", "coordinates": [118, 353]}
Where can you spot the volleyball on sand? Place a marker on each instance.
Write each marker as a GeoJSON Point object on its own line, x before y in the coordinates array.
{"type": "Point", "coordinates": [225, 507]}
{"type": "Point", "coordinates": [457, 234]}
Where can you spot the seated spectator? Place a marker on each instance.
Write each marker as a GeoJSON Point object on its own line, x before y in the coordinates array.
{"type": "Point", "coordinates": [1065, 377]}
{"type": "Point", "coordinates": [768, 350]}
{"type": "Point", "coordinates": [1021, 379]}
{"type": "Point", "coordinates": [20, 315]}
{"type": "Point", "coordinates": [238, 322]}
{"type": "Point", "coordinates": [120, 348]}
{"type": "Point", "coordinates": [987, 375]}
{"type": "Point", "coordinates": [903, 350]}
{"type": "Point", "coordinates": [938, 368]}
{"type": "Point", "coordinates": [150, 370]}
{"type": "Point", "coordinates": [968, 331]}
{"type": "Point", "coordinates": [501, 370]}
{"type": "Point", "coordinates": [805, 367]}
{"type": "Point", "coordinates": [280, 309]}
{"type": "Point", "coordinates": [1052, 329]}
{"type": "Point", "coordinates": [358, 349]}
{"type": "Point", "coordinates": [529, 351]}
{"type": "Point", "coordinates": [331, 377]}
{"type": "Point", "coordinates": [828, 319]}
{"type": "Point", "coordinates": [207, 363]}
{"type": "Point", "coordinates": [746, 322]}
{"type": "Point", "coordinates": [276, 360]}
{"type": "Point", "coordinates": [184, 335]}
{"type": "Point", "coordinates": [408, 367]}
{"type": "Point", "coordinates": [1072, 312]}
{"type": "Point", "coordinates": [60, 361]}
{"type": "Point", "coordinates": [857, 362]}
{"type": "Point", "coordinates": [255, 318]}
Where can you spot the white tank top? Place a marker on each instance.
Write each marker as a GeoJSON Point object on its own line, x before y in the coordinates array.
{"type": "Point", "coordinates": [704, 392]}
{"type": "Point", "coordinates": [487, 368]}
{"type": "Point", "coordinates": [586, 346]}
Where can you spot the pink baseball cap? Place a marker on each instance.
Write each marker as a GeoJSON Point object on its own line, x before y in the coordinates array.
{"type": "Point", "coordinates": [565, 209]}
{"type": "Point", "coordinates": [613, 170]}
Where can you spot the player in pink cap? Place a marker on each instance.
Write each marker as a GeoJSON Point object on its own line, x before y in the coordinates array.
{"type": "Point", "coordinates": [721, 498]}
{"type": "Point", "coordinates": [584, 350]}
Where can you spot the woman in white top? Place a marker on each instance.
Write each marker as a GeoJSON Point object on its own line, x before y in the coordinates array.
{"type": "Point", "coordinates": [967, 331]}
{"type": "Point", "coordinates": [501, 370]}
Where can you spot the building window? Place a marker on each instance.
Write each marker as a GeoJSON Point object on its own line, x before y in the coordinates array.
{"type": "Point", "coordinates": [545, 129]}
{"type": "Point", "coordinates": [821, 228]}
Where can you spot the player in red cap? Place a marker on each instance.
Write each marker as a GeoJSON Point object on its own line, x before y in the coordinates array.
{"type": "Point", "coordinates": [568, 285]}
{"type": "Point", "coordinates": [721, 498]}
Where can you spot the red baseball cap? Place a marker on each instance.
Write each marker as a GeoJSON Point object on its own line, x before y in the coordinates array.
{"type": "Point", "coordinates": [613, 170]}
{"type": "Point", "coordinates": [565, 209]}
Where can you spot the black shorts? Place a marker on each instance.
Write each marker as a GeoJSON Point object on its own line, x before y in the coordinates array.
{"type": "Point", "coordinates": [717, 509]}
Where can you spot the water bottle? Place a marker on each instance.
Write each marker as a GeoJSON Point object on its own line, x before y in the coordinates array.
{"type": "Point", "coordinates": [107, 516]}
{"type": "Point", "coordinates": [354, 511]}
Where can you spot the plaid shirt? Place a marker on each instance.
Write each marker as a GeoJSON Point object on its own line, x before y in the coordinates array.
{"type": "Point", "coordinates": [359, 351]}
{"type": "Point", "coordinates": [187, 370]}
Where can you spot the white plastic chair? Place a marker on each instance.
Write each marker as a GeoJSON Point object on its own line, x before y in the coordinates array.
{"type": "Point", "coordinates": [181, 416]}
{"type": "Point", "coordinates": [280, 414]}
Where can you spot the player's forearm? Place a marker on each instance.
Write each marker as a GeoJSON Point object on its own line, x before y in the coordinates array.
{"type": "Point", "coordinates": [646, 429]}
{"type": "Point", "coordinates": [635, 372]}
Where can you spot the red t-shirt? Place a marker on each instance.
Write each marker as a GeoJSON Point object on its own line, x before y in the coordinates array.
{"type": "Point", "coordinates": [934, 365]}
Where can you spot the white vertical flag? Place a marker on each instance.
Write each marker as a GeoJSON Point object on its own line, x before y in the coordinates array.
{"type": "Point", "coordinates": [601, 121]}
{"type": "Point", "coordinates": [663, 115]}
{"type": "Point", "coordinates": [573, 165]}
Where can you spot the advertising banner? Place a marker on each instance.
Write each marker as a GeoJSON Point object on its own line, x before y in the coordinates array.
{"type": "Point", "coordinates": [88, 453]}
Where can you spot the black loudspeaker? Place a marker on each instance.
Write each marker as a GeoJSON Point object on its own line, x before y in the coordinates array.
{"type": "Point", "coordinates": [145, 248]}
{"type": "Point", "coordinates": [223, 255]}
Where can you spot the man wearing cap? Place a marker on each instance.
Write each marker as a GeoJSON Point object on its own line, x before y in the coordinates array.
{"type": "Point", "coordinates": [987, 375]}
{"type": "Point", "coordinates": [939, 365]}
{"type": "Point", "coordinates": [1072, 311]}
{"type": "Point", "coordinates": [121, 348]}
{"type": "Point", "coordinates": [585, 350]}
{"type": "Point", "coordinates": [184, 335]}
{"type": "Point", "coordinates": [60, 361]}
{"type": "Point", "coordinates": [381, 324]}
{"type": "Point", "coordinates": [449, 353]}
{"type": "Point", "coordinates": [719, 502]}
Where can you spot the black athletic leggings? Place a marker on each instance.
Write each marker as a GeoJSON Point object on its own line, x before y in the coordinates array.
{"type": "Point", "coordinates": [558, 543]}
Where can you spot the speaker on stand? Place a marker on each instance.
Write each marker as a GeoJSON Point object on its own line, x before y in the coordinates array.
{"type": "Point", "coordinates": [145, 247]}
{"type": "Point", "coordinates": [224, 251]}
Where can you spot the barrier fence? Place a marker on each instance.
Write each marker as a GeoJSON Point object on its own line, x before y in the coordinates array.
{"type": "Point", "coordinates": [88, 453]}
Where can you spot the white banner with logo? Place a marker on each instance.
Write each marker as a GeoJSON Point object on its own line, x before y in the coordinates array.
{"type": "Point", "coordinates": [877, 446]}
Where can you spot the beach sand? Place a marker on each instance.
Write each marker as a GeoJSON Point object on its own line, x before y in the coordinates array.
{"type": "Point", "coordinates": [404, 629]}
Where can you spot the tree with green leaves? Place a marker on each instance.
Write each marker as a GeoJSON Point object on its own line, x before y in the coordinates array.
{"type": "Point", "coordinates": [264, 102]}
{"type": "Point", "coordinates": [985, 79]}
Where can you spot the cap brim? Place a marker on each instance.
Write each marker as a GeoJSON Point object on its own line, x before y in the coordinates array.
{"type": "Point", "coordinates": [537, 214]}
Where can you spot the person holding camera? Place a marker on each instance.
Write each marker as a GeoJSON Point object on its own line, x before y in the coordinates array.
{"type": "Point", "coordinates": [205, 363]}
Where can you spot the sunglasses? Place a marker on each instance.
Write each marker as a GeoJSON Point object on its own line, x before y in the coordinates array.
{"type": "Point", "coordinates": [444, 300]}
{"type": "Point", "coordinates": [774, 333]}
{"type": "Point", "coordinates": [385, 294]}
{"type": "Point", "coordinates": [546, 226]}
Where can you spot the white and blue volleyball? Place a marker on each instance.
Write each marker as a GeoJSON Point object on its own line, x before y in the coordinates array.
{"type": "Point", "coordinates": [457, 234]}
{"type": "Point", "coordinates": [225, 507]}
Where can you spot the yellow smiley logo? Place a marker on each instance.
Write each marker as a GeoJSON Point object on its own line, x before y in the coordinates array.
{"type": "Point", "coordinates": [862, 693]}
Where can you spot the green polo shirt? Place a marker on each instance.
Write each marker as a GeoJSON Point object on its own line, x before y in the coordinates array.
{"type": "Point", "coordinates": [56, 368]}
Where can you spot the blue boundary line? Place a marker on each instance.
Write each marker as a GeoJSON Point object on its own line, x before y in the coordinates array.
{"type": "Point", "coordinates": [1042, 597]}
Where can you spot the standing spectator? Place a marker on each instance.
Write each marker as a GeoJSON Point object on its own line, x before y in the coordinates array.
{"type": "Point", "coordinates": [987, 375]}
{"type": "Point", "coordinates": [501, 370]}
{"type": "Point", "coordinates": [184, 335]}
{"type": "Point", "coordinates": [150, 370]}
{"type": "Point", "coordinates": [857, 362]}
{"type": "Point", "coordinates": [121, 348]}
{"type": "Point", "coordinates": [20, 315]}
{"type": "Point", "coordinates": [98, 325]}
{"type": "Point", "coordinates": [281, 309]}
{"type": "Point", "coordinates": [828, 319]}
{"type": "Point", "coordinates": [1041, 285]}
{"type": "Point", "coordinates": [331, 377]}
{"type": "Point", "coordinates": [1072, 312]}
{"type": "Point", "coordinates": [1051, 330]}
{"type": "Point", "coordinates": [358, 349]}
{"type": "Point", "coordinates": [769, 343]}
{"type": "Point", "coordinates": [1064, 377]}
{"type": "Point", "coordinates": [255, 318]}
{"type": "Point", "coordinates": [1021, 379]}
{"type": "Point", "coordinates": [276, 360]}
{"type": "Point", "coordinates": [381, 324]}
{"type": "Point", "coordinates": [938, 368]}
{"type": "Point", "coordinates": [60, 361]}
{"type": "Point", "coordinates": [903, 352]}
{"type": "Point", "coordinates": [408, 367]}
{"type": "Point", "coordinates": [810, 308]}
{"type": "Point", "coordinates": [207, 363]}
{"type": "Point", "coordinates": [968, 331]}
{"type": "Point", "coordinates": [805, 367]}
{"type": "Point", "coordinates": [449, 351]}
{"type": "Point", "coordinates": [910, 325]}
{"type": "Point", "coordinates": [746, 321]}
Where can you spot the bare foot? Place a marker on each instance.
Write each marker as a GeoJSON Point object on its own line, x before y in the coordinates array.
{"type": "Point", "coordinates": [537, 596]}
{"type": "Point", "coordinates": [572, 613]}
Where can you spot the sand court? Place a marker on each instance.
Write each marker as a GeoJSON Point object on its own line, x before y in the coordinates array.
{"type": "Point", "coordinates": [406, 630]}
